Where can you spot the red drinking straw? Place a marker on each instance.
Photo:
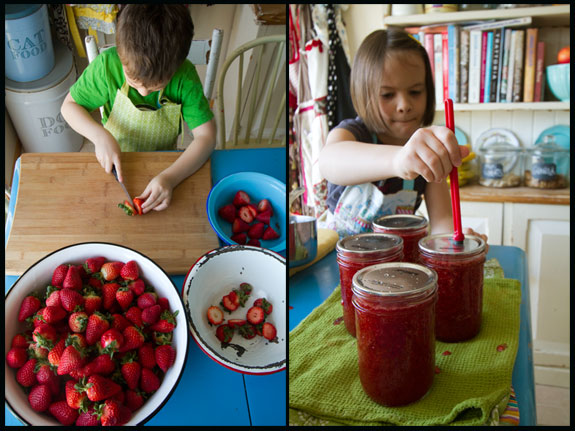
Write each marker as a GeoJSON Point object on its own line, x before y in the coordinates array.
{"type": "Point", "coordinates": [453, 178]}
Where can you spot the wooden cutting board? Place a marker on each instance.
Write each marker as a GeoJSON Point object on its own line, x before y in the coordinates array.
{"type": "Point", "coordinates": [67, 198]}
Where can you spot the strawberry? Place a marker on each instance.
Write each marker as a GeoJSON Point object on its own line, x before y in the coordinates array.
{"type": "Point", "coordinates": [248, 331]}
{"type": "Point", "coordinates": [225, 333]}
{"type": "Point", "coordinates": [228, 213]}
{"type": "Point", "coordinates": [73, 280]}
{"type": "Point", "coordinates": [264, 304]}
{"type": "Point", "coordinates": [40, 398]}
{"type": "Point", "coordinates": [138, 202]}
{"type": "Point", "coordinates": [95, 282]}
{"type": "Point", "coordinates": [151, 314]}
{"type": "Point", "coordinates": [137, 287]}
{"type": "Point", "coordinates": [134, 399]}
{"type": "Point", "coordinates": [99, 388]}
{"type": "Point", "coordinates": [228, 304]}
{"type": "Point", "coordinates": [239, 226]}
{"type": "Point", "coordinates": [269, 332]}
{"type": "Point", "coordinates": [53, 296]}
{"type": "Point", "coordinates": [111, 341]}
{"type": "Point", "coordinates": [78, 321]}
{"type": "Point", "coordinates": [102, 364]}
{"type": "Point", "coordinates": [124, 296]}
{"type": "Point", "coordinates": [254, 242]}
{"type": "Point", "coordinates": [147, 356]}
{"type": "Point", "coordinates": [30, 305]}
{"type": "Point", "coordinates": [236, 323]}
{"type": "Point", "coordinates": [119, 322]}
{"type": "Point", "coordinates": [75, 395]}
{"type": "Point", "coordinates": [128, 208]}
{"type": "Point", "coordinates": [71, 360]}
{"type": "Point", "coordinates": [92, 300]}
{"type": "Point", "coordinates": [21, 340]}
{"type": "Point", "coordinates": [88, 418]}
{"type": "Point", "coordinates": [56, 353]}
{"type": "Point", "coordinates": [37, 351]}
{"type": "Point", "coordinates": [97, 325]}
{"type": "Point", "coordinates": [84, 276]}
{"type": "Point", "coordinates": [77, 340]}
{"type": "Point", "coordinates": [255, 315]}
{"type": "Point", "coordinates": [114, 413]}
{"type": "Point", "coordinates": [131, 370]}
{"type": "Point", "coordinates": [16, 357]}
{"type": "Point", "coordinates": [215, 315]}
{"type": "Point", "coordinates": [63, 413]}
{"type": "Point", "coordinates": [264, 206]}
{"type": "Point", "coordinates": [240, 238]}
{"type": "Point", "coordinates": [246, 288]}
{"type": "Point", "coordinates": [51, 314]}
{"type": "Point", "coordinates": [264, 217]}
{"type": "Point", "coordinates": [109, 295]}
{"type": "Point", "coordinates": [146, 300]}
{"type": "Point", "coordinates": [241, 198]}
{"type": "Point", "coordinates": [246, 214]}
{"type": "Point", "coordinates": [45, 376]}
{"type": "Point", "coordinates": [45, 335]}
{"type": "Point", "coordinates": [133, 339]}
{"type": "Point", "coordinates": [134, 315]}
{"type": "Point", "coordinates": [71, 300]}
{"type": "Point", "coordinates": [59, 275]}
{"type": "Point", "coordinates": [242, 297]}
{"type": "Point", "coordinates": [25, 374]}
{"type": "Point", "coordinates": [130, 270]}
{"type": "Point", "coordinates": [111, 270]}
{"type": "Point", "coordinates": [256, 231]}
{"type": "Point", "coordinates": [94, 264]}
{"type": "Point", "coordinates": [149, 382]}
{"type": "Point", "coordinates": [164, 303]}
{"type": "Point", "coordinates": [234, 297]}
{"type": "Point", "coordinates": [165, 357]}
{"type": "Point", "coordinates": [270, 234]}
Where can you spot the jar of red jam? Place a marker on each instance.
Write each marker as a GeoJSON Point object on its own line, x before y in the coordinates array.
{"type": "Point", "coordinates": [355, 252]}
{"type": "Point", "coordinates": [459, 271]}
{"type": "Point", "coordinates": [410, 227]}
{"type": "Point", "coordinates": [395, 327]}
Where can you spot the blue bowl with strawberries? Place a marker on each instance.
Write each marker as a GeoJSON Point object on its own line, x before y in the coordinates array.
{"type": "Point", "coordinates": [249, 208]}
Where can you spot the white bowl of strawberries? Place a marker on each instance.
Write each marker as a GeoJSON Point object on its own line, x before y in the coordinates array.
{"type": "Point", "coordinates": [106, 323]}
{"type": "Point", "coordinates": [249, 208]}
{"type": "Point", "coordinates": [235, 297]}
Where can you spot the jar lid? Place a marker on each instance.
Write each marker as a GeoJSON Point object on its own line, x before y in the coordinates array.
{"type": "Point", "coordinates": [364, 244]}
{"type": "Point", "coordinates": [395, 279]}
{"type": "Point", "coordinates": [17, 11]}
{"type": "Point", "coordinates": [547, 147]}
{"type": "Point", "coordinates": [443, 244]}
{"type": "Point", "coordinates": [401, 222]}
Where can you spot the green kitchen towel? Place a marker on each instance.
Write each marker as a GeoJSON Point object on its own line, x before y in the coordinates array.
{"type": "Point", "coordinates": [472, 377]}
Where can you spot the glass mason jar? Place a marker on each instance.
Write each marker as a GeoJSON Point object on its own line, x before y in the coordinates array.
{"type": "Point", "coordinates": [411, 228]}
{"type": "Point", "coordinates": [355, 252]}
{"type": "Point", "coordinates": [547, 166]}
{"type": "Point", "coordinates": [395, 326]}
{"type": "Point", "coordinates": [501, 166]}
{"type": "Point", "coordinates": [459, 271]}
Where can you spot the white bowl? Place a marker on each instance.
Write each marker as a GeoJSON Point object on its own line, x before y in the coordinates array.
{"type": "Point", "coordinates": [214, 275]}
{"type": "Point", "coordinates": [39, 275]}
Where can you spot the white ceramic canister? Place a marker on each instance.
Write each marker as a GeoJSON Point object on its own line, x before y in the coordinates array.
{"type": "Point", "coordinates": [35, 108]}
{"type": "Point", "coordinates": [28, 49]}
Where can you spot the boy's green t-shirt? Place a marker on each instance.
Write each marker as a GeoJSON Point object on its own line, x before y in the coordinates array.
{"type": "Point", "coordinates": [99, 83]}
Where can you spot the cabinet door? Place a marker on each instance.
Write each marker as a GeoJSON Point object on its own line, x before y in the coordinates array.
{"type": "Point", "coordinates": [543, 232]}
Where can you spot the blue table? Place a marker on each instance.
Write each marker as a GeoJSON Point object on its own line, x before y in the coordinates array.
{"type": "Point", "coordinates": [208, 393]}
{"type": "Point", "coordinates": [310, 287]}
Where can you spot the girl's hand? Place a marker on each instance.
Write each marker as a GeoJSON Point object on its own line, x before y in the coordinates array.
{"type": "Point", "coordinates": [469, 231]}
{"type": "Point", "coordinates": [157, 195]}
{"type": "Point", "coordinates": [108, 153]}
{"type": "Point", "coordinates": [431, 152]}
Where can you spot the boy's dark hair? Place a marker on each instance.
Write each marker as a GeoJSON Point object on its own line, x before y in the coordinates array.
{"type": "Point", "coordinates": [153, 40]}
{"type": "Point", "coordinates": [366, 75]}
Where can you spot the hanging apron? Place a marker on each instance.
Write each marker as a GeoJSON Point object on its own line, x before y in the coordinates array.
{"type": "Point", "coordinates": [144, 128]}
{"type": "Point", "coordinates": [360, 204]}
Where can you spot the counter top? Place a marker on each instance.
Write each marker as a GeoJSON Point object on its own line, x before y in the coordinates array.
{"type": "Point", "coordinates": [525, 195]}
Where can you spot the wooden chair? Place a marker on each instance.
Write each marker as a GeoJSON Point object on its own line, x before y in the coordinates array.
{"type": "Point", "coordinates": [253, 100]}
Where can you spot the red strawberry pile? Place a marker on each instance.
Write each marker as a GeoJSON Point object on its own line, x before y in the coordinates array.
{"type": "Point", "coordinates": [250, 223]}
{"type": "Point", "coordinates": [254, 323]}
{"type": "Point", "coordinates": [98, 345]}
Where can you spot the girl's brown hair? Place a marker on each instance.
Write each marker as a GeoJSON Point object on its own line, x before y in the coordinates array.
{"type": "Point", "coordinates": [153, 41]}
{"type": "Point", "coordinates": [366, 75]}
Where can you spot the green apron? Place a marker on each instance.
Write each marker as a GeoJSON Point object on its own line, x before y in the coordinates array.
{"type": "Point", "coordinates": [144, 129]}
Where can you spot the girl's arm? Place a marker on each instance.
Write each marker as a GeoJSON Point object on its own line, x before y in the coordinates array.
{"type": "Point", "coordinates": [438, 202]}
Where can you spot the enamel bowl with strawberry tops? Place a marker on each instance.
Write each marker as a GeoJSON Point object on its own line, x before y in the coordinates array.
{"type": "Point", "coordinates": [241, 219]}
{"type": "Point", "coordinates": [39, 276]}
{"type": "Point", "coordinates": [235, 297]}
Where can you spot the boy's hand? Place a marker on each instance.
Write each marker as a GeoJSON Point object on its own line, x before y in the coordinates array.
{"type": "Point", "coordinates": [469, 231]}
{"type": "Point", "coordinates": [157, 195]}
{"type": "Point", "coordinates": [430, 152]}
{"type": "Point", "coordinates": [108, 153]}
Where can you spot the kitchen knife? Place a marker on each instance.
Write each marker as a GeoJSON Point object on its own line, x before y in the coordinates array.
{"type": "Point", "coordinates": [123, 186]}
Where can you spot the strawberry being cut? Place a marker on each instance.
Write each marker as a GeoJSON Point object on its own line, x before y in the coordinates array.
{"type": "Point", "coordinates": [138, 205]}
{"type": "Point", "coordinates": [215, 315]}
{"type": "Point", "coordinates": [128, 208]}
{"type": "Point", "coordinates": [241, 198]}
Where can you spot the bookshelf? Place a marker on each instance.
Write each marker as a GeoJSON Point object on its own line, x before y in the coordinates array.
{"type": "Point", "coordinates": [523, 106]}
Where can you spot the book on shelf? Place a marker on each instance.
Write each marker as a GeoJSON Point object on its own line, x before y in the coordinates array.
{"type": "Point", "coordinates": [485, 61]}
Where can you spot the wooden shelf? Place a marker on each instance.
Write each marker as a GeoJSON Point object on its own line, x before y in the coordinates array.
{"type": "Point", "coordinates": [544, 16]}
{"type": "Point", "coordinates": [528, 195]}
{"type": "Point", "coordinates": [522, 106]}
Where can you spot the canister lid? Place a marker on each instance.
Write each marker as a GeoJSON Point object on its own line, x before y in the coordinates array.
{"type": "Point", "coordinates": [394, 279]}
{"type": "Point", "coordinates": [369, 243]}
{"type": "Point", "coordinates": [401, 222]}
{"type": "Point", "coordinates": [444, 244]}
{"type": "Point", "coordinates": [17, 11]}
